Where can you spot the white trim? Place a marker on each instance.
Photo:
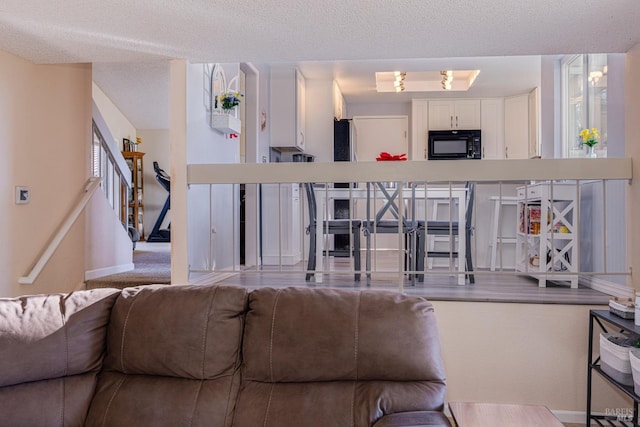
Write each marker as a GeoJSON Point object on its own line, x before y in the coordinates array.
{"type": "Point", "coordinates": [106, 271]}
{"type": "Point", "coordinates": [418, 171]}
{"type": "Point", "coordinates": [570, 417]}
{"type": "Point", "coordinates": [276, 260]}
{"type": "Point", "coordinates": [565, 417]}
{"type": "Point", "coordinates": [607, 287]}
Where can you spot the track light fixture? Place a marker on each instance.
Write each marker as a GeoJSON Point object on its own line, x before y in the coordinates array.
{"type": "Point", "coordinates": [447, 78]}
{"type": "Point", "coordinates": [399, 82]}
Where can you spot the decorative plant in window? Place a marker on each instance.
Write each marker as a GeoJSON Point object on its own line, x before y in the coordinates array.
{"type": "Point", "coordinates": [229, 100]}
{"type": "Point", "coordinates": [590, 137]}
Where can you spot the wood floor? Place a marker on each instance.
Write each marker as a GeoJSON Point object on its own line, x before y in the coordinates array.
{"type": "Point", "coordinates": [489, 286]}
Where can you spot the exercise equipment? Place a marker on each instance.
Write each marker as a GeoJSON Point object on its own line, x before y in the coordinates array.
{"type": "Point", "coordinates": [133, 235]}
{"type": "Point", "coordinates": [157, 234]}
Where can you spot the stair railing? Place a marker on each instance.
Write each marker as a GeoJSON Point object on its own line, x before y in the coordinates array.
{"type": "Point", "coordinates": [88, 191]}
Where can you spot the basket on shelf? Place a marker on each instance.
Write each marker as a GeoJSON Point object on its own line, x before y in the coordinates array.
{"type": "Point", "coordinates": [623, 307]}
{"type": "Point", "coordinates": [634, 358]}
{"type": "Point", "coordinates": [614, 356]}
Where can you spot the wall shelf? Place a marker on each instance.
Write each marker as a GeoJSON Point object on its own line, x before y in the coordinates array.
{"type": "Point", "coordinates": [225, 123]}
{"type": "Point", "coordinates": [135, 207]}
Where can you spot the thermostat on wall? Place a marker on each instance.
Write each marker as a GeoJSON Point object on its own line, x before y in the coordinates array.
{"type": "Point", "coordinates": [22, 195]}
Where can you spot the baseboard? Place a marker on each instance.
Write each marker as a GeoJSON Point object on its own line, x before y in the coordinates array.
{"type": "Point", "coordinates": [607, 287]}
{"type": "Point", "coordinates": [107, 271]}
{"type": "Point", "coordinates": [286, 259]}
{"type": "Point", "coordinates": [570, 417]}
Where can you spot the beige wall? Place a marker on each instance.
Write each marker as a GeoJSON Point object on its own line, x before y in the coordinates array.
{"type": "Point", "coordinates": [178, 170]}
{"type": "Point", "coordinates": [632, 131]}
{"type": "Point", "coordinates": [520, 353]}
{"type": "Point", "coordinates": [45, 127]}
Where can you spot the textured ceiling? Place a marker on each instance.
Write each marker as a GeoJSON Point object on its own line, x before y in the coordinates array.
{"type": "Point", "coordinates": [143, 31]}
{"type": "Point", "coordinates": [46, 31]}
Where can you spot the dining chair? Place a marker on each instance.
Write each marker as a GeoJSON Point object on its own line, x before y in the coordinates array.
{"type": "Point", "coordinates": [390, 226]}
{"type": "Point", "coordinates": [447, 228]}
{"type": "Point", "coordinates": [335, 227]}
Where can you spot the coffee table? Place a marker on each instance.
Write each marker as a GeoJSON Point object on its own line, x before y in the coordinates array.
{"type": "Point", "coordinates": [468, 414]}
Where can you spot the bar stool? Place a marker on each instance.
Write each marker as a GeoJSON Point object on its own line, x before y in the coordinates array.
{"type": "Point", "coordinates": [434, 216]}
{"type": "Point", "coordinates": [498, 204]}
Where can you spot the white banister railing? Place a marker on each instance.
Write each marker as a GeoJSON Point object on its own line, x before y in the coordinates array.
{"type": "Point", "coordinates": [214, 187]}
{"type": "Point", "coordinates": [88, 191]}
{"type": "Point", "coordinates": [443, 170]}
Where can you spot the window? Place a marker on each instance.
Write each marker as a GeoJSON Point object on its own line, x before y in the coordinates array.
{"type": "Point", "coordinates": [103, 165]}
{"type": "Point", "coordinates": [584, 88]}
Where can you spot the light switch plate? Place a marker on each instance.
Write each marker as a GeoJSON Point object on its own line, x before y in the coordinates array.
{"type": "Point", "coordinates": [22, 195]}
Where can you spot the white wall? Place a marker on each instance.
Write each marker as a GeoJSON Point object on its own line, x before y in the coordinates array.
{"type": "Point", "coordinates": [45, 134]}
{"type": "Point", "coordinates": [264, 88]}
{"type": "Point", "coordinates": [204, 146]}
{"type": "Point", "coordinates": [615, 105]}
{"type": "Point", "coordinates": [108, 247]}
{"type": "Point", "coordinates": [119, 125]}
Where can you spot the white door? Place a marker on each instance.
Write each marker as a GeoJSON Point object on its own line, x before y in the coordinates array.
{"type": "Point", "coordinates": [375, 134]}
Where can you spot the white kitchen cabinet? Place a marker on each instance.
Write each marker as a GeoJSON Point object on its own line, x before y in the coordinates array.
{"type": "Point", "coordinates": [492, 127]}
{"type": "Point", "coordinates": [419, 128]}
{"type": "Point", "coordinates": [454, 114]}
{"type": "Point", "coordinates": [281, 224]}
{"type": "Point", "coordinates": [516, 127]}
{"type": "Point", "coordinates": [287, 109]}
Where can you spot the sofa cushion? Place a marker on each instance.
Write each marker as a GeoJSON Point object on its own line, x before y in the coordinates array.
{"type": "Point", "coordinates": [148, 400]}
{"type": "Point", "coordinates": [173, 354]}
{"type": "Point", "coordinates": [51, 347]}
{"type": "Point", "coordinates": [178, 331]}
{"type": "Point", "coordinates": [51, 336]}
{"type": "Point", "coordinates": [319, 357]}
{"type": "Point", "coordinates": [299, 335]}
{"type": "Point", "coordinates": [332, 403]}
{"type": "Point", "coordinates": [55, 402]}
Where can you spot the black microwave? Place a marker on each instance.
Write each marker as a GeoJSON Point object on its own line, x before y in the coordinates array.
{"type": "Point", "coordinates": [454, 144]}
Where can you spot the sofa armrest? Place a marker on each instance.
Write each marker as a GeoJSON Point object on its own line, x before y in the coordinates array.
{"type": "Point", "coordinates": [414, 419]}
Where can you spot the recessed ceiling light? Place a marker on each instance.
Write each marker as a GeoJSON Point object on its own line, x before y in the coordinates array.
{"type": "Point", "coordinates": [425, 81]}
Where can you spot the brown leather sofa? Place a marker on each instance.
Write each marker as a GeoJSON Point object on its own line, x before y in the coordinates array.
{"type": "Point", "coordinates": [220, 356]}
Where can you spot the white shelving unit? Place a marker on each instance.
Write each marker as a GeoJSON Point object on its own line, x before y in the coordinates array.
{"type": "Point", "coordinates": [547, 237]}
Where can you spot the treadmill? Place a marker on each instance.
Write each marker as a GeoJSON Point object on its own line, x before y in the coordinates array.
{"type": "Point", "coordinates": [157, 234]}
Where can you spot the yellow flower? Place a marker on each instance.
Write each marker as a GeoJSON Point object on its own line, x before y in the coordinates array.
{"type": "Point", "coordinates": [590, 137]}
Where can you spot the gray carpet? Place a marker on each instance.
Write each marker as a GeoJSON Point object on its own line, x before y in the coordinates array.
{"type": "Point", "coordinates": [151, 267]}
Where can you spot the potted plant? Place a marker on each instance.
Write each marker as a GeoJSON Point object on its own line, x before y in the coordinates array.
{"type": "Point", "coordinates": [227, 121]}
{"type": "Point", "coordinates": [229, 100]}
{"type": "Point", "coordinates": [590, 138]}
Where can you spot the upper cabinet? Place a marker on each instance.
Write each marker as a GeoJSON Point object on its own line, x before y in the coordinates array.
{"type": "Point", "coordinates": [287, 109]}
{"type": "Point", "coordinates": [516, 127]}
{"type": "Point", "coordinates": [492, 127]}
{"type": "Point", "coordinates": [454, 114]}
